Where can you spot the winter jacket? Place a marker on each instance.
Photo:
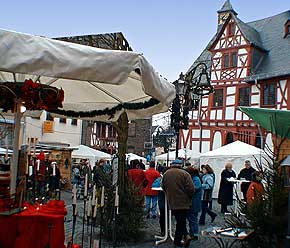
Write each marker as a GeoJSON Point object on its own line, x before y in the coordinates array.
{"type": "Point", "coordinates": [179, 188]}
{"type": "Point", "coordinates": [151, 174]}
{"type": "Point", "coordinates": [246, 174]}
{"type": "Point", "coordinates": [255, 192]}
{"type": "Point", "coordinates": [207, 186]}
{"type": "Point", "coordinates": [137, 176]}
{"type": "Point", "coordinates": [226, 190]}
{"type": "Point", "coordinates": [196, 198]}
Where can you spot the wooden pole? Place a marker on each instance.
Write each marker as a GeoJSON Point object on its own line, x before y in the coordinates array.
{"type": "Point", "coordinates": [122, 130]}
{"type": "Point", "coordinates": [14, 165]}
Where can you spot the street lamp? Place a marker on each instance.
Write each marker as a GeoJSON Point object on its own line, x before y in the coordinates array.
{"type": "Point", "coordinates": [189, 90]}
{"type": "Point", "coordinates": [285, 165]}
{"type": "Point", "coordinates": [165, 139]}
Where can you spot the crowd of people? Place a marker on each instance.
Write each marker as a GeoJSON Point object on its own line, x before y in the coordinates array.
{"type": "Point", "coordinates": [189, 193]}
{"type": "Point", "coordinates": [188, 190]}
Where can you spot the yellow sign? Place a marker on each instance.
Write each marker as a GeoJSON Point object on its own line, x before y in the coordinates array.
{"type": "Point", "coordinates": [47, 127]}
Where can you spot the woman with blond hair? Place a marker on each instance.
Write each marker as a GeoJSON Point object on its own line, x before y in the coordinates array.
{"type": "Point", "coordinates": [207, 188]}
{"type": "Point", "coordinates": [226, 190]}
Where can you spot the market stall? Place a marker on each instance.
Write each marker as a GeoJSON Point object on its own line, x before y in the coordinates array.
{"type": "Point", "coordinates": [93, 155]}
{"type": "Point", "coordinates": [80, 82]}
{"type": "Point", "coordinates": [236, 153]}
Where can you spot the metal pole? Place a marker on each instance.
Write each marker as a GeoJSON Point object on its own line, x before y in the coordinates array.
{"type": "Point", "coordinates": [177, 143]}
{"type": "Point", "coordinates": [288, 234]}
{"type": "Point", "coordinates": [200, 124]}
{"type": "Point", "coordinates": [167, 162]}
{"type": "Point", "coordinates": [14, 166]}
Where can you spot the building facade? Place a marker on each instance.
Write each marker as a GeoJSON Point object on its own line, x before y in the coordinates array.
{"type": "Point", "coordinates": [249, 66]}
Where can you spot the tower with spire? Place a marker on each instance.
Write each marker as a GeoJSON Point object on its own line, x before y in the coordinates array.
{"type": "Point", "coordinates": [225, 11]}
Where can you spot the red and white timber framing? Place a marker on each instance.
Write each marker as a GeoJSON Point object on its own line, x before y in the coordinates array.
{"type": "Point", "coordinates": [221, 124]}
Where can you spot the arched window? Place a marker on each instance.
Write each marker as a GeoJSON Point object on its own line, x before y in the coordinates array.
{"type": "Point", "coordinates": [230, 138]}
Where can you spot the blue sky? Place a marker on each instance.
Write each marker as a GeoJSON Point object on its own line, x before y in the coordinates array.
{"type": "Point", "coordinates": [170, 33]}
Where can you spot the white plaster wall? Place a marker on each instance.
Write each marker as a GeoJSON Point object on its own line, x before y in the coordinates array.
{"type": "Point", "coordinates": [238, 115]}
{"type": "Point", "coordinates": [195, 133]}
{"type": "Point", "coordinates": [205, 101]}
{"type": "Point", "coordinates": [231, 90]}
{"type": "Point", "coordinates": [255, 99]}
{"type": "Point", "coordinates": [205, 134]}
{"type": "Point", "coordinates": [219, 114]}
{"type": "Point", "coordinates": [205, 146]}
{"type": "Point", "coordinates": [217, 140]}
{"type": "Point", "coordinates": [230, 113]}
{"type": "Point", "coordinates": [195, 145]}
{"type": "Point", "coordinates": [230, 100]}
{"type": "Point", "coordinates": [63, 132]}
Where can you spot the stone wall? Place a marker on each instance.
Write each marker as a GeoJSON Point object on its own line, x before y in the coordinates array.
{"type": "Point", "coordinates": [139, 132]}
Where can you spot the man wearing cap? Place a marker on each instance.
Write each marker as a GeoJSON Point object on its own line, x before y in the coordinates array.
{"type": "Point", "coordinates": [179, 189]}
{"type": "Point", "coordinates": [246, 173]}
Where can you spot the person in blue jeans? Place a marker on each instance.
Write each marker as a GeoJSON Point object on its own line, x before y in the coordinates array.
{"type": "Point", "coordinates": [151, 196]}
{"type": "Point", "coordinates": [192, 215]}
{"type": "Point", "coordinates": [207, 188]}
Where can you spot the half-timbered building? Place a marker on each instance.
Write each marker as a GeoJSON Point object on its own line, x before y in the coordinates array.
{"type": "Point", "coordinates": [250, 66]}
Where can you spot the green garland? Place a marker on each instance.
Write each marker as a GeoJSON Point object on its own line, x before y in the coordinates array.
{"type": "Point", "coordinates": [107, 111]}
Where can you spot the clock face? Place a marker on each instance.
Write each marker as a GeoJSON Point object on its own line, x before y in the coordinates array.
{"type": "Point", "coordinates": [223, 18]}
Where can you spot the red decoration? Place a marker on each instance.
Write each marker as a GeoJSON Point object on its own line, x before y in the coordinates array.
{"type": "Point", "coordinates": [34, 96]}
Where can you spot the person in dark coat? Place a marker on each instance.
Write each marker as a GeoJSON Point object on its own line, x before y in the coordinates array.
{"type": "Point", "coordinates": [179, 189]}
{"type": "Point", "coordinates": [226, 190]}
{"type": "Point", "coordinates": [246, 173]}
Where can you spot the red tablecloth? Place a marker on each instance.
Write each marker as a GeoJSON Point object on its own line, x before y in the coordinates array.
{"type": "Point", "coordinates": [30, 228]}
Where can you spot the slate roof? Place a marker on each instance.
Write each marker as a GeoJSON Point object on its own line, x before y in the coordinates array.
{"type": "Point", "coordinates": [277, 60]}
{"type": "Point", "coordinates": [266, 34]}
{"type": "Point", "coordinates": [227, 7]}
{"type": "Point", "coordinates": [251, 34]}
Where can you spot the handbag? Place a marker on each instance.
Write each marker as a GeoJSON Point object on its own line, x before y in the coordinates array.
{"type": "Point", "coordinates": [207, 194]}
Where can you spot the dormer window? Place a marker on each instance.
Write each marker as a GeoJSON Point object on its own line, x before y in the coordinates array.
{"type": "Point", "coordinates": [287, 28]}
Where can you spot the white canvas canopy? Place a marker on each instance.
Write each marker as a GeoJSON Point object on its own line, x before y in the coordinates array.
{"type": "Point", "coordinates": [93, 155]}
{"type": "Point", "coordinates": [187, 154]}
{"type": "Point", "coordinates": [92, 78]}
{"type": "Point", "coordinates": [132, 156]}
{"type": "Point", "coordinates": [236, 153]}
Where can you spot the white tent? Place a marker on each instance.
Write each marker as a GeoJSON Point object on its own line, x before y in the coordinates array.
{"type": "Point", "coordinates": [3, 151]}
{"type": "Point", "coordinates": [132, 156]}
{"type": "Point", "coordinates": [93, 155]}
{"type": "Point", "coordinates": [236, 153]}
{"type": "Point", "coordinates": [190, 155]}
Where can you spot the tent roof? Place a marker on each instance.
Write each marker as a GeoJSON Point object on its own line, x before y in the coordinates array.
{"type": "Point", "coordinates": [3, 151]}
{"type": "Point", "coordinates": [85, 151]}
{"type": "Point", "coordinates": [133, 156]}
{"type": "Point", "coordinates": [181, 154]}
{"type": "Point", "coordinates": [93, 79]}
{"type": "Point", "coordinates": [273, 120]}
{"type": "Point", "coordinates": [235, 149]}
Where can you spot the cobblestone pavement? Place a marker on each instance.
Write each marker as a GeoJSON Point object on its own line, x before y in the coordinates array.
{"type": "Point", "coordinates": [151, 229]}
